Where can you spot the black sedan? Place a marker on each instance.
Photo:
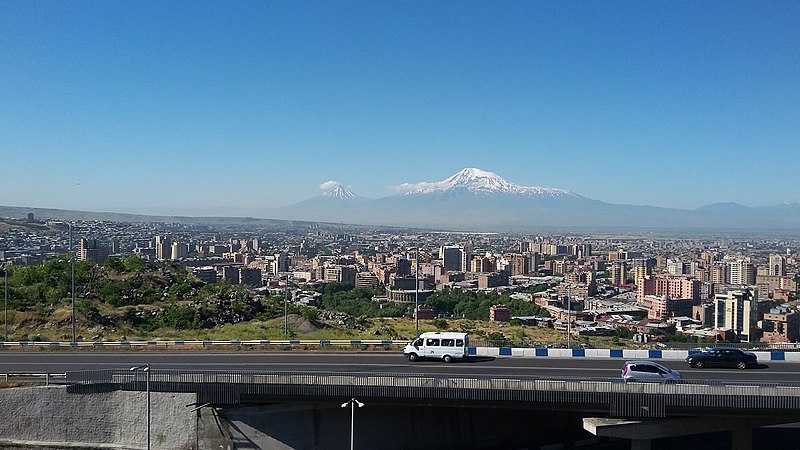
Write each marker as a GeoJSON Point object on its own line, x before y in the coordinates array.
{"type": "Point", "coordinates": [722, 357]}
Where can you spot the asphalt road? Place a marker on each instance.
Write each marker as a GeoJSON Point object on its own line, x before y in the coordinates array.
{"type": "Point", "coordinates": [363, 362]}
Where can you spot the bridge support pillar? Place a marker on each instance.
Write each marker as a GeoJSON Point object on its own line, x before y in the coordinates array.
{"type": "Point", "coordinates": [641, 432]}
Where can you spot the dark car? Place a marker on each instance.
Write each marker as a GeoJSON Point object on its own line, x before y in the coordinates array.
{"type": "Point", "coordinates": [722, 357]}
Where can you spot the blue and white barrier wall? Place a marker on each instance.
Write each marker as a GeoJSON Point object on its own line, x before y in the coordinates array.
{"type": "Point", "coordinates": [674, 355]}
{"type": "Point", "coordinates": [679, 355]}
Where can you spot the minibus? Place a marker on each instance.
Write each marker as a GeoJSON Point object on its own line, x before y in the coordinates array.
{"type": "Point", "coordinates": [446, 346]}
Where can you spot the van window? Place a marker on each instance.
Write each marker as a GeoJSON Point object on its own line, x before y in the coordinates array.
{"type": "Point", "coordinates": [459, 342]}
{"type": "Point", "coordinates": [432, 343]}
{"type": "Point", "coordinates": [417, 343]}
{"type": "Point", "coordinates": [448, 342]}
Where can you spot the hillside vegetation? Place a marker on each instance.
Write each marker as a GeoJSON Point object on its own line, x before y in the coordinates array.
{"type": "Point", "coordinates": [131, 299]}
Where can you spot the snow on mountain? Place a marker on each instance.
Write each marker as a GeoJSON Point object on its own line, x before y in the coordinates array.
{"type": "Point", "coordinates": [483, 182]}
{"type": "Point", "coordinates": [338, 192]}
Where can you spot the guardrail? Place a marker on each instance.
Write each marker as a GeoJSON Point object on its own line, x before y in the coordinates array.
{"type": "Point", "coordinates": [47, 378]}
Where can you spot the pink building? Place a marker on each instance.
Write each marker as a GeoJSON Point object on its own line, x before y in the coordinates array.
{"type": "Point", "coordinates": [671, 286]}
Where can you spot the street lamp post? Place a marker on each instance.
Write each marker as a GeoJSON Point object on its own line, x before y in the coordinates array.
{"type": "Point", "coordinates": [5, 303]}
{"type": "Point", "coordinates": [72, 259]}
{"type": "Point", "coordinates": [286, 301]}
{"type": "Point", "coordinates": [416, 294]}
{"type": "Point", "coordinates": [569, 317]}
{"type": "Point", "coordinates": [146, 369]}
{"type": "Point", "coordinates": [286, 298]}
{"type": "Point", "coordinates": [352, 404]}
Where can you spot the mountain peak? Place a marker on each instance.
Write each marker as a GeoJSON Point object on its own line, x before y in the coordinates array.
{"type": "Point", "coordinates": [478, 180]}
{"type": "Point", "coordinates": [338, 192]}
{"type": "Point", "coordinates": [484, 182]}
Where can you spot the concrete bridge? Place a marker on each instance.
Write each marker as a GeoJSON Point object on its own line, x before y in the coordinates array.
{"type": "Point", "coordinates": [302, 409]}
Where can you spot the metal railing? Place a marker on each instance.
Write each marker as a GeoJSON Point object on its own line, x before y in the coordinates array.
{"type": "Point", "coordinates": [613, 395]}
{"type": "Point", "coordinates": [36, 378]}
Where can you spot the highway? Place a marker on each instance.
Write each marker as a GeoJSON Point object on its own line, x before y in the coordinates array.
{"type": "Point", "coordinates": [364, 362]}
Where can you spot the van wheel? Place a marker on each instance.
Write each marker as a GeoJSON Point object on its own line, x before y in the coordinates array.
{"type": "Point", "coordinates": [448, 358]}
{"type": "Point", "coordinates": [412, 357]}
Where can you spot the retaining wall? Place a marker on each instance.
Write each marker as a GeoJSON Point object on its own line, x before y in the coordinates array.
{"type": "Point", "coordinates": [50, 418]}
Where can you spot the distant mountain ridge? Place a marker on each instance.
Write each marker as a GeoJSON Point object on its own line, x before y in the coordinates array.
{"type": "Point", "coordinates": [477, 200]}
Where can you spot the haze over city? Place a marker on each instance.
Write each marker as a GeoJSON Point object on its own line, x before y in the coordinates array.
{"type": "Point", "coordinates": [164, 108]}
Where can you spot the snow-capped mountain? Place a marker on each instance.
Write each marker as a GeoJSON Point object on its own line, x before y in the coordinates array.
{"type": "Point", "coordinates": [475, 199]}
{"type": "Point", "coordinates": [484, 182]}
{"type": "Point", "coordinates": [338, 192]}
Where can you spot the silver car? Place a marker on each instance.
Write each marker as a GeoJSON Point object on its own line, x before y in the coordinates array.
{"type": "Point", "coordinates": [649, 371]}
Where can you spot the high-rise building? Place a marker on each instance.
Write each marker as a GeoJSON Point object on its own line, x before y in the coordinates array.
{"type": "Point", "coordinates": [777, 265]}
{"type": "Point", "coordinates": [451, 258]}
{"type": "Point", "coordinates": [719, 273]}
{"type": "Point", "coordinates": [618, 272]}
{"type": "Point", "coordinates": [92, 250]}
{"type": "Point", "coordinates": [742, 272]}
{"type": "Point", "coordinates": [642, 268]}
{"type": "Point", "coordinates": [519, 264]}
{"type": "Point", "coordinates": [736, 310]}
{"type": "Point", "coordinates": [281, 262]}
{"type": "Point", "coordinates": [178, 251]}
{"type": "Point", "coordinates": [163, 247]}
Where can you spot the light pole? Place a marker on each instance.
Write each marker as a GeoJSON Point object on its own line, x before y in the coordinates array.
{"type": "Point", "coordinates": [286, 300]}
{"type": "Point", "coordinates": [416, 294]}
{"type": "Point", "coordinates": [146, 369]}
{"type": "Point", "coordinates": [352, 404]}
{"type": "Point", "coordinates": [569, 317]}
{"type": "Point", "coordinates": [5, 302]}
{"type": "Point", "coordinates": [72, 259]}
{"type": "Point", "coordinates": [286, 308]}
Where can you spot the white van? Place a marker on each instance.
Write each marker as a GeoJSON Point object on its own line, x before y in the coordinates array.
{"type": "Point", "coordinates": [441, 345]}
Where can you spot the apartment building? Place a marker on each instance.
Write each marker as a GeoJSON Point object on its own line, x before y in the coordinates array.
{"type": "Point", "coordinates": [671, 286]}
{"type": "Point", "coordinates": [781, 325]}
{"type": "Point", "coordinates": [92, 250]}
{"type": "Point", "coordinates": [736, 310]}
{"type": "Point", "coordinates": [742, 272]}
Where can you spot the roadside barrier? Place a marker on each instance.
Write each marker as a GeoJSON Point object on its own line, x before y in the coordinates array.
{"type": "Point", "coordinates": [540, 352]}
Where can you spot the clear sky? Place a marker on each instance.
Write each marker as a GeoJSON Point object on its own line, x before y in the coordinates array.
{"type": "Point", "coordinates": [137, 106]}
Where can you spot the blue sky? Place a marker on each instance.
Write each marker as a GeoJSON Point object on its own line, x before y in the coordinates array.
{"type": "Point", "coordinates": [168, 105]}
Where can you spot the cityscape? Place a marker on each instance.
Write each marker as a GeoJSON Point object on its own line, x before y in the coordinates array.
{"type": "Point", "coordinates": [714, 288]}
